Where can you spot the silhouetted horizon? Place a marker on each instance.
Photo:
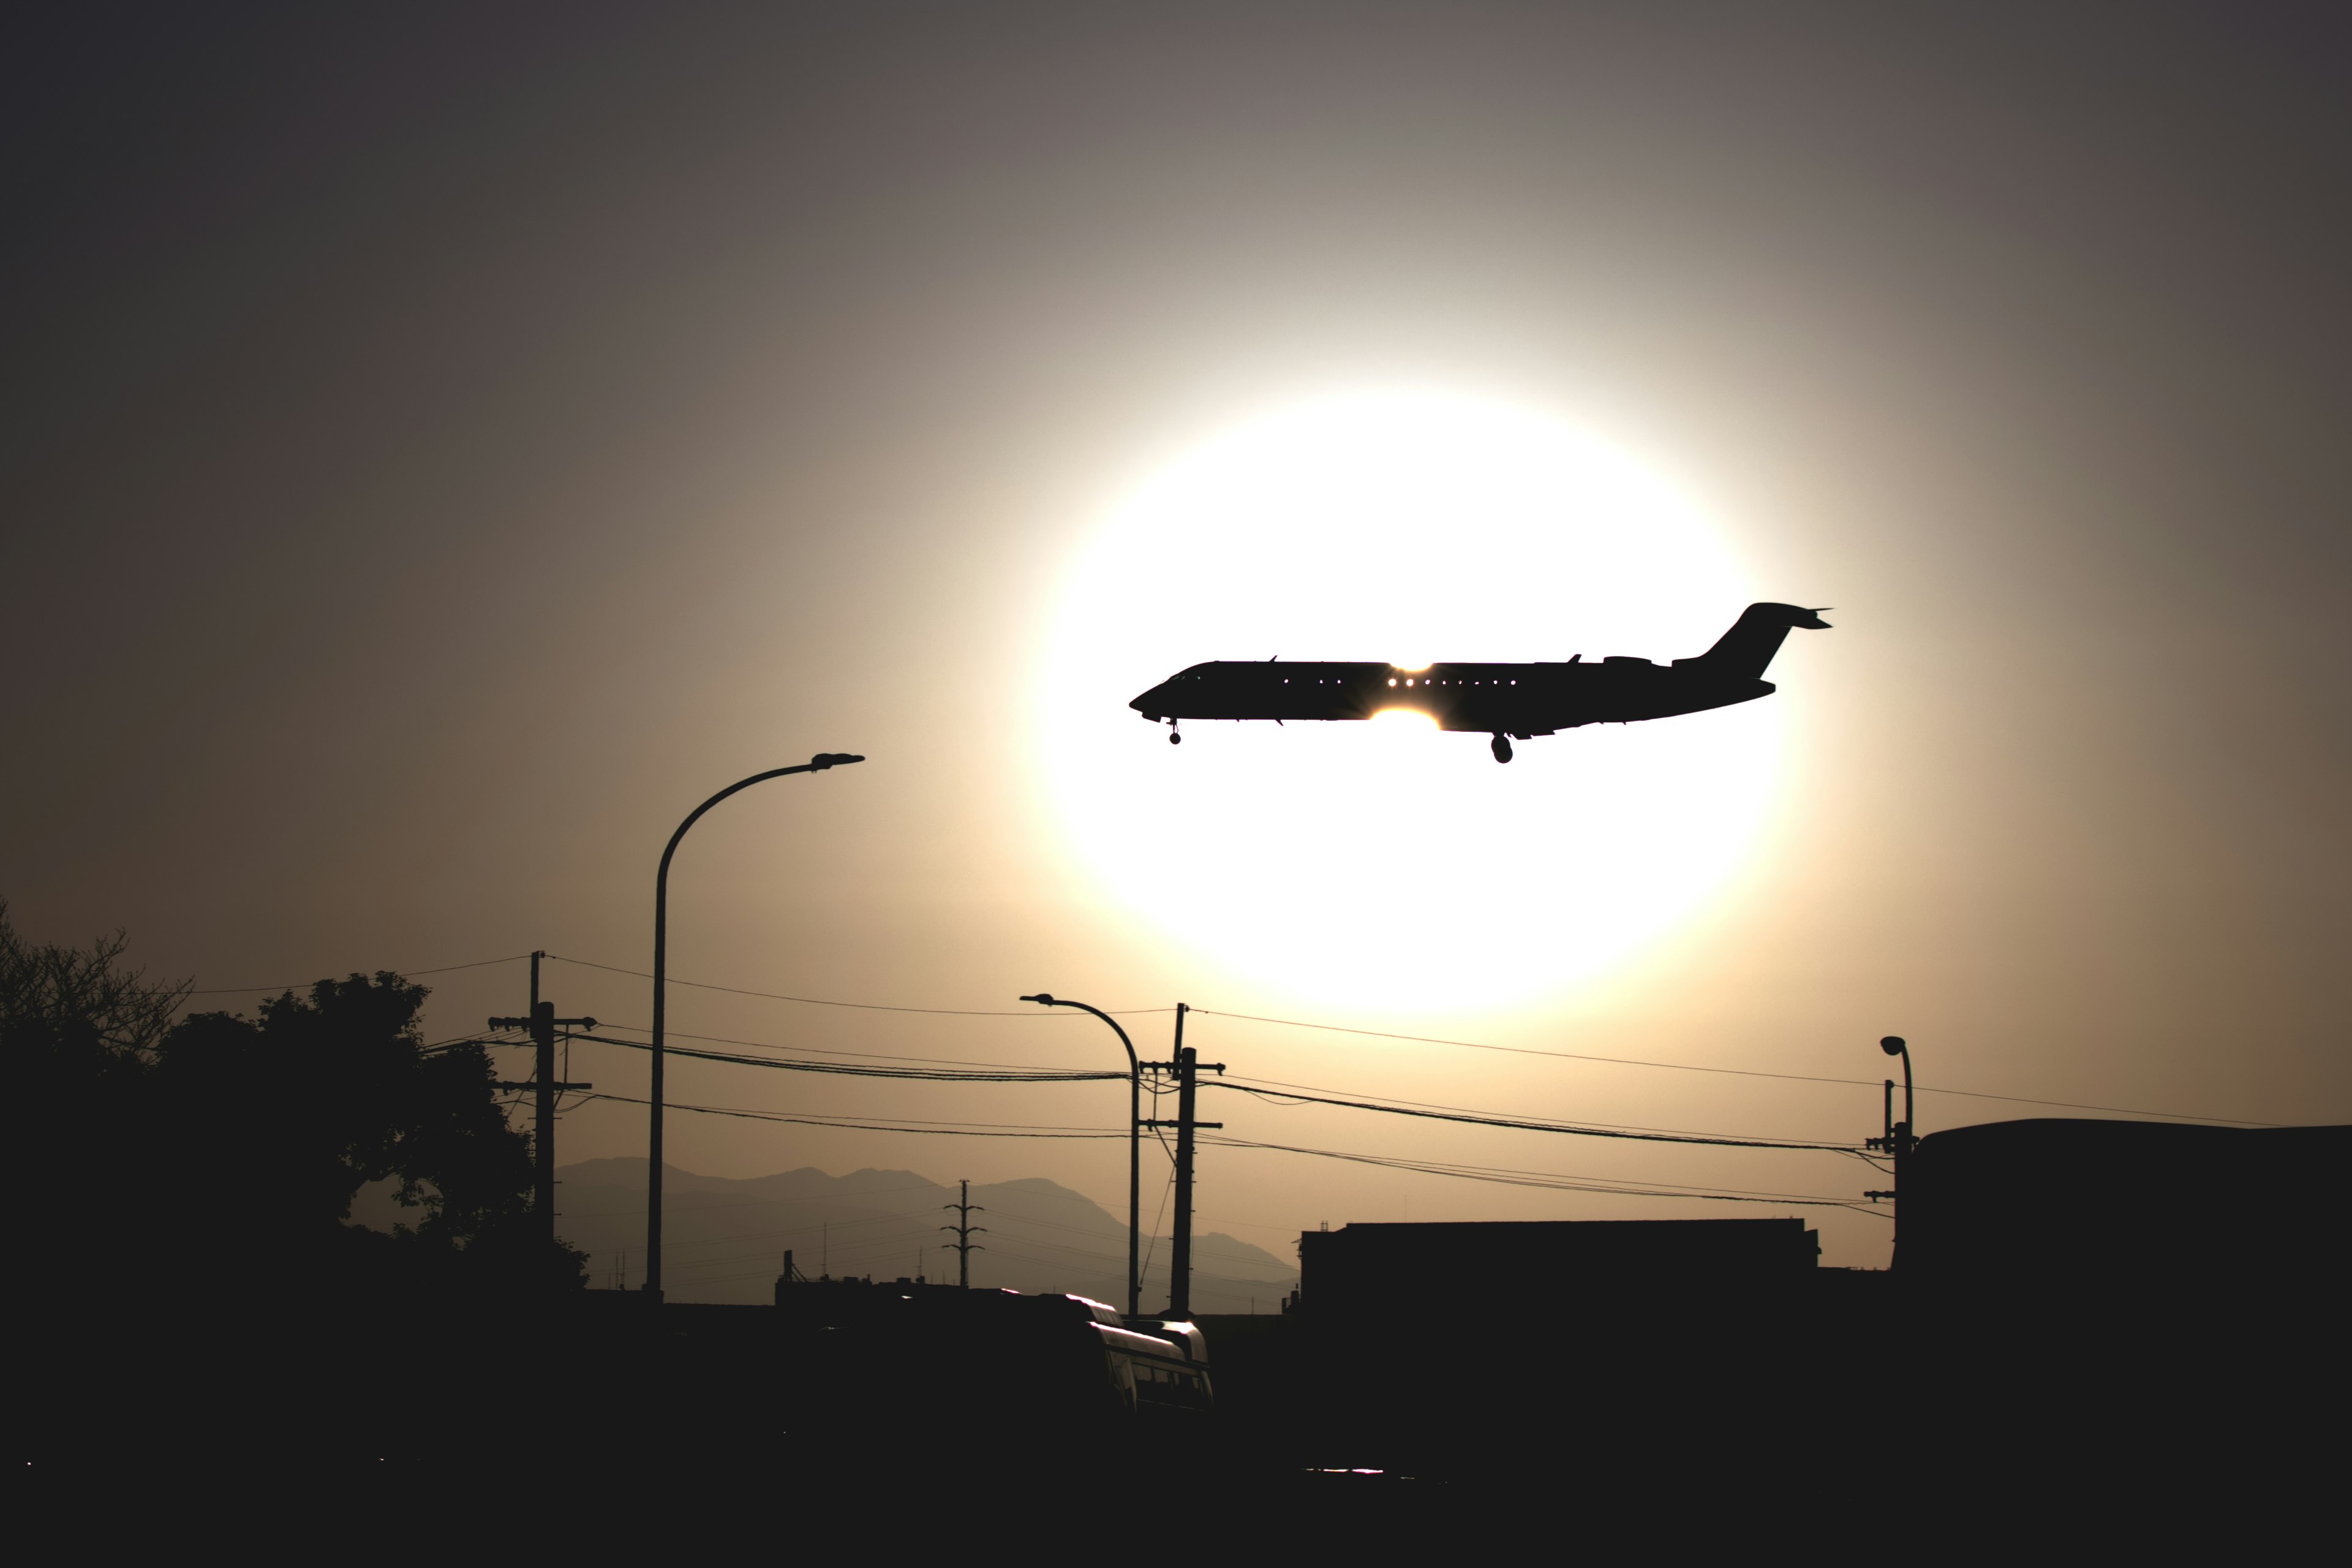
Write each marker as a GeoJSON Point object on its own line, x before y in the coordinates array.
{"type": "Point", "coordinates": [446, 444]}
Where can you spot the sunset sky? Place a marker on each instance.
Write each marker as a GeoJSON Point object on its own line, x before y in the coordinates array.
{"type": "Point", "coordinates": [443, 446]}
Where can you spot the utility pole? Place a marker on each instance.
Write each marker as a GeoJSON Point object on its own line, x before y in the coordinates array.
{"type": "Point", "coordinates": [1899, 1134]}
{"type": "Point", "coordinates": [542, 1023]}
{"type": "Point", "coordinates": [1180, 1266]}
{"type": "Point", "coordinates": [1884, 1144]}
{"type": "Point", "coordinates": [964, 1244]}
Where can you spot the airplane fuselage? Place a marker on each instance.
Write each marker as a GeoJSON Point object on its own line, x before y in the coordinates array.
{"type": "Point", "coordinates": [1516, 699]}
{"type": "Point", "coordinates": [1508, 702]}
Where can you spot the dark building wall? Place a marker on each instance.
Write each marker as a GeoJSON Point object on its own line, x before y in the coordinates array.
{"type": "Point", "coordinates": [2053, 1201]}
{"type": "Point", "coordinates": [1362, 1270]}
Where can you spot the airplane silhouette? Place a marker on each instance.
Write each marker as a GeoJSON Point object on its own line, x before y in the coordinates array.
{"type": "Point", "coordinates": [1510, 701]}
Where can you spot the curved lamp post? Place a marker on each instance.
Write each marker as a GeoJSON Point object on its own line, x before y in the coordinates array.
{"type": "Point", "coordinates": [1894, 1046]}
{"type": "Point", "coordinates": [815, 764]}
{"type": "Point", "coordinates": [1134, 1140]}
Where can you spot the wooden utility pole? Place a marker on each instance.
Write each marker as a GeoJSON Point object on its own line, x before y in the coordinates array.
{"type": "Point", "coordinates": [1180, 1266]}
{"type": "Point", "coordinates": [542, 1023]}
{"type": "Point", "coordinates": [1901, 1135]}
{"type": "Point", "coordinates": [964, 1244]}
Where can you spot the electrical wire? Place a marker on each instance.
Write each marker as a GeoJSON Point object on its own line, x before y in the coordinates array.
{"type": "Point", "coordinates": [843, 1069]}
{"type": "Point", "coordinates": [1015, 1129]}
{"type": "Point", "coordinates": [1284, 1023]}
{"type": "Point", "coordinates": [1275, 1092]}
{"type": "Point", "coordinates": [403, 974]}
{"type": "Point", "coordinates": [831, 1051]}
{"type": "Point", "coordinates": [1151, 1243]}
{"type": "Point", "coordinates": [1734, 1072]}
{"type": "Point", "coordinates": [1580, 1132]}
{"type": "Point", "coordinates": [1541, 1179]}
{"type": "Point", "coordinates": [825, 1002]}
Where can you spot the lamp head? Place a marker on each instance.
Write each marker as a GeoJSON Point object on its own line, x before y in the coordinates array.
{"type": "Point", "coordinates": [824, 760]}
{"type": "Point", "coordinates": [1891, 1045]}
{"type": "Point", "coordinates": [1043, 998]}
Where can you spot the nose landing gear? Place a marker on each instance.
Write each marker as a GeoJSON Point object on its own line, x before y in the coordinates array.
{"type": "Point", "coordinates": [1502, 747]}
{"type": "Point", "coordinates": [1173, 738]}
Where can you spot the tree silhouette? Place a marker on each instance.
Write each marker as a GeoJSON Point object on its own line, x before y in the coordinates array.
{"type": "Point", "coordinates": [287, 1115]}
{"type": "Point", "coordinates": [80, 1013]}
{"type": "Point", "coordinates": [156, 1143]}
{"type": "Point", "coordinates": [78, 1033]}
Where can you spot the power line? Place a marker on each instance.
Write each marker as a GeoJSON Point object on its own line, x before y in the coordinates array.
{"type": "Point", "coordinates": [844, 1070]}
{"type": "Point", "coordinates": [831, 1051]}
{"type": "Point", "coordinates": [827, 1002]}
{"type": "Point", "coordinates": [1275, 1091]}
{"type": "Point", "coordinates": [1291, 1024]}
{"type": "Point", "coordinates": [1542, 1179]}
{"type": "Point", "coordinates": [1476, 1120]}
{"type": "Point", "coordinates": [898, 1124]}
{"type": "Point", "coordinates": [1733, 1072]}
{"type": "Point", "coordinates": [1014, 1129]}
{"type": "Point", "coordinates": [403, 974]}
{"type": "Point", "coordinates": [1151, 1243]}
{"type": "Point", "coordinates": [1279, 1091]}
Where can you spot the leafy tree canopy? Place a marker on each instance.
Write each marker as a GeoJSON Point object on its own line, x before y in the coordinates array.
{"type": "Point", "coordinates": [257, 1134]}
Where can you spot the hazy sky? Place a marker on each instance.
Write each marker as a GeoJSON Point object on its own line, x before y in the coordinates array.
{"type": "Point", "coordinates": [444, 444]}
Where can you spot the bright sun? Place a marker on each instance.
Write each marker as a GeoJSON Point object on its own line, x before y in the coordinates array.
{"type": "Point", "coordinates": [1388, 864]}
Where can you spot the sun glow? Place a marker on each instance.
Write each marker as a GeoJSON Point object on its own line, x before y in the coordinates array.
{"type": "Point", "coordinates": [1386, 863]}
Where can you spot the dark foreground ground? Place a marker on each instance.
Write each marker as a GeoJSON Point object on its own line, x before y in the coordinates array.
{"type": "Point", "coordinates": [2186, 1409]}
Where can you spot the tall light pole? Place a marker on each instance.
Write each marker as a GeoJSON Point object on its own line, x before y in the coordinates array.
{"type": "Point", "coordinates": [815, 764]}
{"type": "Point", "coordinates": [1134, 1143]}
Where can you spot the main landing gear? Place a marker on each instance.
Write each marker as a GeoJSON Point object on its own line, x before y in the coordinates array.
{"type": "Point", "coordinates": [1501, 748]}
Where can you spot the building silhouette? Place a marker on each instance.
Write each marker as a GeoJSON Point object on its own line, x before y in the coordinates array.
{"type": "Point", "coordinates": [2060, 1206]}
{"type": "Point", "coordinates": [1444, 1269]}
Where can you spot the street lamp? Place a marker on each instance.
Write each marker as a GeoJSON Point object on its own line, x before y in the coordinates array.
{"type": "Point", "coordinates": [1134, 1142]}
{"type": "Point", "coordinates": [815, 764]}
{"type": "Point", "coordinates": [1893, 1046]}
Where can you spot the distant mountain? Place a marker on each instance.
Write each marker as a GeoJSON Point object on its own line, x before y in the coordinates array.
{"type": "Point", "coordinates": [724, 1240]}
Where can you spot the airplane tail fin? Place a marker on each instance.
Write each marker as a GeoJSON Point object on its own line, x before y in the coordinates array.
{"type": "Point", "coordinates": [1746, 649]}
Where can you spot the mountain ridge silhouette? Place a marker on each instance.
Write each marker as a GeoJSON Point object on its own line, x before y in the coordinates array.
{"type": "Point", "coordinates": [725, 1235]}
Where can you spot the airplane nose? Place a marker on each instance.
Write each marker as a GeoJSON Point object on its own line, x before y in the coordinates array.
{"type": "Point", "coordinates": [1146, 704]}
